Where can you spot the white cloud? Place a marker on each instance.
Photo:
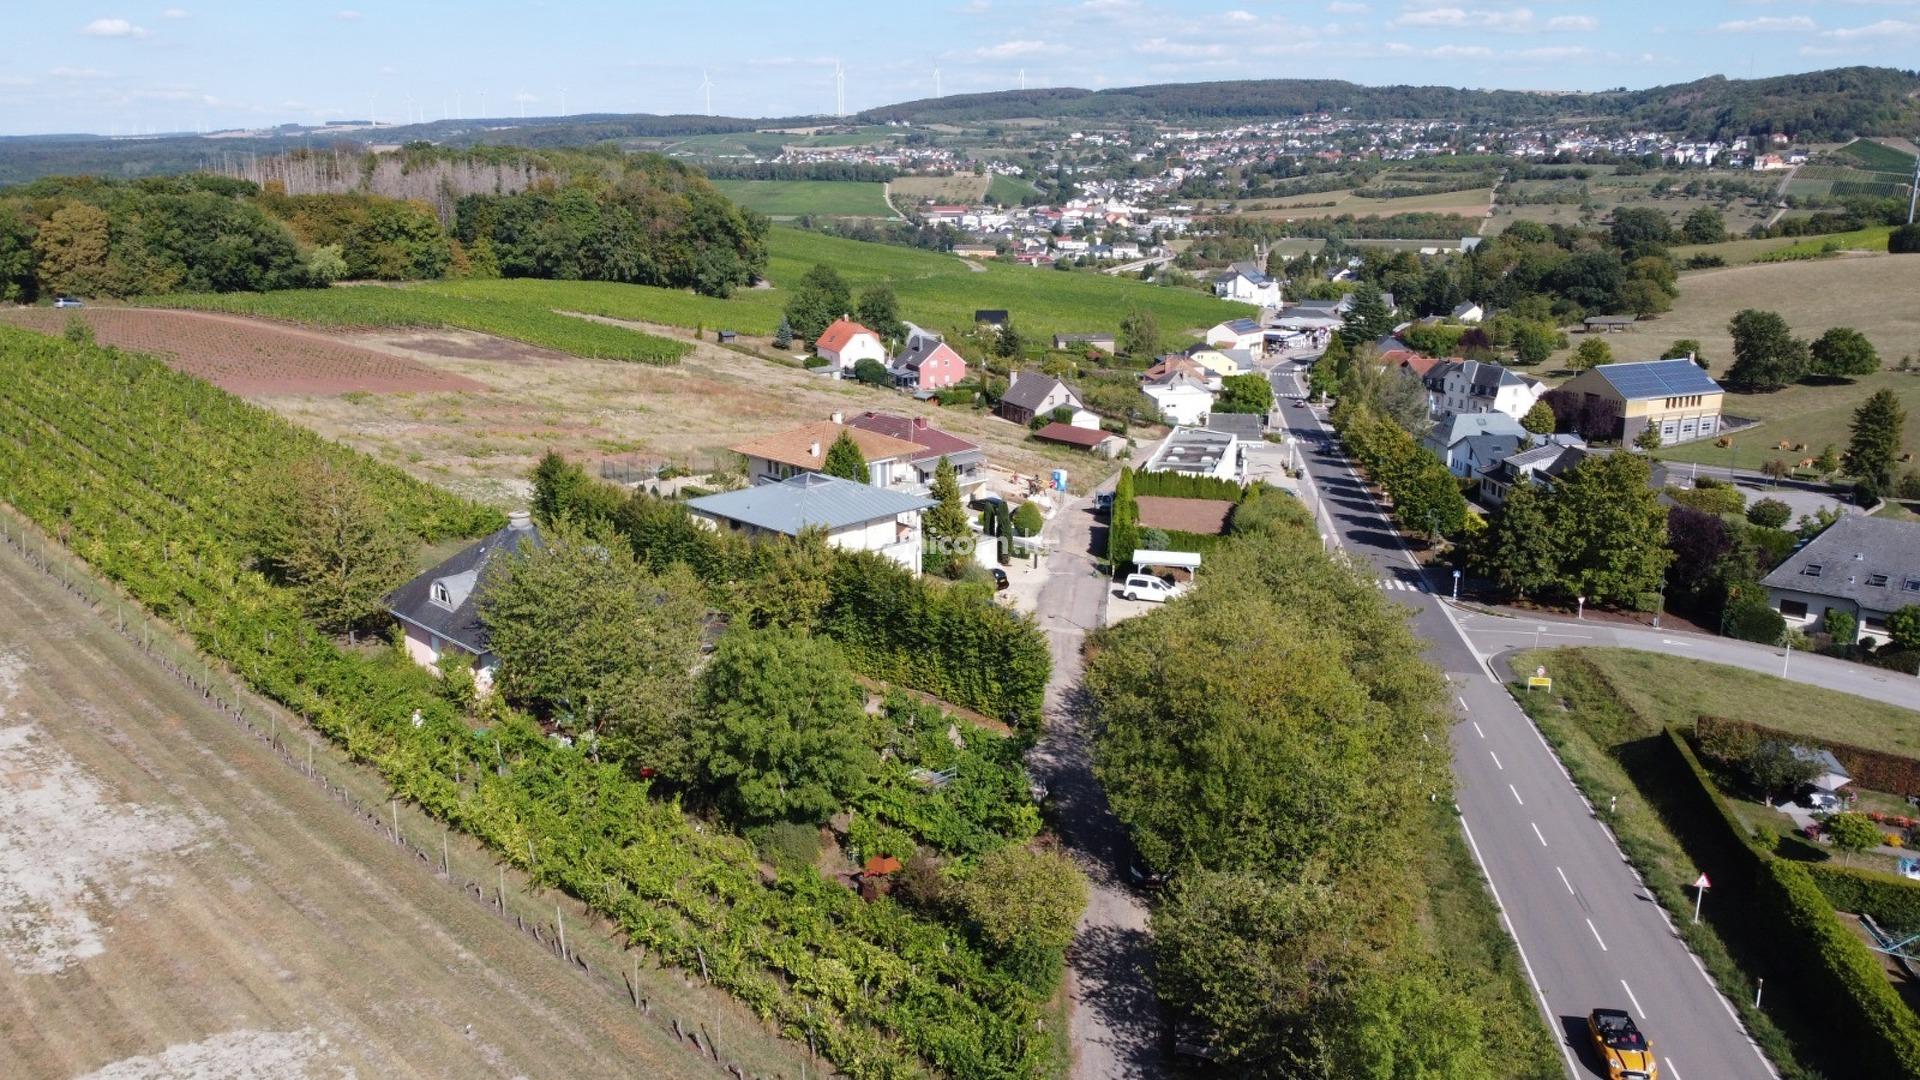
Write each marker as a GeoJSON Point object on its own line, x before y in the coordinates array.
{"type": "Point", "coordinates": [349, 15]}
{"type": "Point", "coordinates": [1346, 7]}
{"type": "Point", "coordinates": [975, 7]}
{"type": "Point", "coordinates": [174, 13]}
{"type": "Point", "coordinates": [1455, 52]}
{"type": "Point", "coordinates": [1189, 50]}
{"type": "Point", "coordinates": [1883, 29]}
{"type": "Point", "coordinates": [1109, 5]}
{"type": "Point", "coordinates": [1242, 17]}
{"type": "Point", "coordinates": [1767, 24]}
{"type": "Point", "coordinates": [1581, 23]}
{"type": "Point", "coordinates": [1552, 52]}
{"type": "Point", "coordinates": [1511, 20]}
{"type": "Point", "coordinates": [1009, 50]}
{"type": "Point", "coordinates": [78, 73]}
{"type": "Point", "coordinates": [112, 28]}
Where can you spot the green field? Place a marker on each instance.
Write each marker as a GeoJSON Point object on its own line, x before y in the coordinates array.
{"type": "Point", "coordinates": [793, 198]}
{"type": "Point", "coordinates": [1878, 157]}
{"type": "Point", "coordinates": [935, 290]}
{"type": "Point", "coordinates": [1009, 189]}
{"type": "Point", "coordinates": [1738, 252]}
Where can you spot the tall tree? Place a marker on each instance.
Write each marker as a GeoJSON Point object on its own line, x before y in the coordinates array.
{"type": "Point", "coordinates": [783, 733]}
{"type": "Point", "coordinates": [1766, 356]}
{"type": "Point", "coordinates": [1843, 352]}
{"type": "Point", "coordinates": [845, 460]}
{"type": "Point", "coordinates": [1539, 419]}
{"type": "Point", "coordinates": [821, 297]}
{"type": "Point", "coordinates": [1877, 429]}
{"type": "Point", "coordinates": [1521, 551]}
{"type": "Point", "coordinates": [1026, 903]}
{"type": "Point", "coordinates": [586, 634]}
{"type": "Point", "coordinates": [1592, 353]}
{"type": "Point", "coordinates": [947, 527]}
{"type": "Point", "coordinates": [318, 528]}
{"type": "Point", "coordinates": [1139, 334]}
{"type": "Point", "coordinates": [1368, 319]}
{"type": "Point", "coordinates": [16, 258]}
{"type": "Point", "coordinates": [1684, 348]}
{"type": "Point", "coordinates": [1614, 529]}
{"type": "Point", "coordinates": [879, 311]}
{"type": "Point", "coordinates": [72, 250]}
{"type": "Point", "coordinates": [1704, 226]}
{"type": "Point", "coordinates": [1245, 394]}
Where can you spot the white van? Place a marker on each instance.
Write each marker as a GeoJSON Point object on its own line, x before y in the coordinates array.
{"type": "Point", "coordinates": [1148, 587]}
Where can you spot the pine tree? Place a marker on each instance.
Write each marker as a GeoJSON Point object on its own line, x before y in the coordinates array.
{"type": "Point", "coordinates": [845, 460]}
{"type": "Point", "coordinates": [783, 337]}
{"type": "Point", "coordinates": [1875, 444]}
{"type": "Point", "coordinates": [947, 526]}
{"type": "Point", "coordinates": [1368, 319]}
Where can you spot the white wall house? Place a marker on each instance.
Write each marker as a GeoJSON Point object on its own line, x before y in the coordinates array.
{"type": "Point", "coordinates": [439, 611]}
{"type": "Point", "coordinates": [1180, 399]}
{"type": "Point", "coordinates": [1469, 386]}
{"type": "Point", "coordinates": [1248, 284]}
{"type": "Point", "coordinates": [773, 458]}
{"type": "Point", "coordinates": [1866, 567]}
{"type": "Point", "coordinates": [846, 343]}
{"type": "Point", "coordinates": [1245, 334]}
{"type": "Point", "coordinates": [855, 517]}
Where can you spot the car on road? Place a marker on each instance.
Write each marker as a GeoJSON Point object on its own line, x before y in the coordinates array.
{"type": "Point", "coordinates": [1623, 1050]}
{"type": "Point", "coordinates": [1299, 403]}
{"type": "Point", "coordinates": [1149, 588]}
{"type": "Point", "coordinates": [67, 301]}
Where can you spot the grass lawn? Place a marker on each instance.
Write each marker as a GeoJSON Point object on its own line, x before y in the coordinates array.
{"type": "Point", "coordinates": [1672, 691]}
{"type": "Point", "coordinates": [1009, 189]}
{"type": "Point", "coordinates": [792, 198]}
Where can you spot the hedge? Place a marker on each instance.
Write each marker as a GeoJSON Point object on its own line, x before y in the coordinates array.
{"type": "Point", "coordinates": [1890, 900]}
{"type": "Point", "coordinates": [1870, 768]}
{"type": "Point", "coordinates": [1182, 486]}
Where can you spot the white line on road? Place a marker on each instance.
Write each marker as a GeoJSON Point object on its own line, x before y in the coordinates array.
{"type": "Point", "coordinates": [1629, 990]}
{"type": "Point", "coordinates": [1536, 832]}
{"type": "Point", "coordinates": [1477, 731]}
{"type": "Point", "coordinates": [1603, 948]}
{"type": "Point", "coordinates": [1546, 1011]}
{"type": "Point", "coordinates": [1462, 701]}
{"type": "Point", "coordinates": [1516, 795]}
{"type": "Point", "coordinates": [1496, 760]}
{"type": "Point", "coordinates": [1672, 1070]}
{"type": "Point", "coordinates": [1564, 881]}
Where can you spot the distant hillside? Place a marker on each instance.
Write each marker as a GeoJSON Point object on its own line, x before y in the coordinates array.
{"type": "Point", "coordinates": [1820, 105]}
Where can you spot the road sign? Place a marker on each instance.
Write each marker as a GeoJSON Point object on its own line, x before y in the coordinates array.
{"type": "Point", "coordinates": [1703, 883]}
{"type": "Point", "coordinates": [1700, 888]}
{"type": "Point", "coordinates": [1540, 682]}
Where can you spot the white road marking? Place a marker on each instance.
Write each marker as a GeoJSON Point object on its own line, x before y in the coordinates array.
{"type": "Point", "coordinates": [1496, 760]}
{"type": "Point", "coordinates": [1623, 985]}
{"type": "Point", "coordinates": [1671, 1070]}
{"type": "Point", "coordinates": [1603, 948]}
{"type": "Point", "coordinates": [1564, 881]}
{"type": "Point", "coordinates": [1462, 701]}
{"type": "Point", "coordinates": [1477, 731]}
{"type": "Point", "coordinates": [1536, 832]}
{"type": "Point", "coordinates": [1516, 795]}
{"type": "Point", "coordinates": [1546, 1011]}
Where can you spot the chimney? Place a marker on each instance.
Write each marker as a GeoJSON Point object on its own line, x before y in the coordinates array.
{"type": "Point", "coordinates": [839, 417]}
{"type": "Point", "coordinates": [813, 449]}
{"type": "Point", "coordinates": [519, 520]}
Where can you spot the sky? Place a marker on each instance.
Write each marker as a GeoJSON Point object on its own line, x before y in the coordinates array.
{"type": "Point", "coordinates": [119, 67]}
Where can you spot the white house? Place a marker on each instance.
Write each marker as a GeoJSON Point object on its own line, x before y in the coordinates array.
{"type": "Point", "coordinates": [1030, 394]}
{"type": "Point", "coordinates": [1180, 398]}
{"type": "Point", "coordinates": [856, 517]}
{"type": "Point", "coordinates": [1197, 452]}
{"type": "Point", "coordinates": [1248, 284]}
{"type": "Point", "coordinates": [1469, 386]}
{"type": "Point", "coordinates": [846, 343]}
{"type": "Point", "coordinates": [1469, 313]}
{"type": "Point", "coordinates": [1471, 443]}
{"type": "Point", "coordinates": [774, 458]}
{"type": "Point", "coordinates": [1245, 334]}
{"type": "Point", "coordinates": [1864, 567]}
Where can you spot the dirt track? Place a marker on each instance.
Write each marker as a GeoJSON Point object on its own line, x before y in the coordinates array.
{"type": "Point", "coordinates": [175, 901]}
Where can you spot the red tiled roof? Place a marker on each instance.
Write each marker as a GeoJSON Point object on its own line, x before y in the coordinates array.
{"type": "Point", "coordinates": [1085, 438]}
{"type": "Point", "coordinates": [1207, 517]}
{"type": "Point", "coordinates": [837, 336]}
{"type": "Point", "coordinates": [914, 430]}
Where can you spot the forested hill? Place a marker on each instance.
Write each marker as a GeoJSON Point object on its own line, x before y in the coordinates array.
{"type": "Point", "coordinates": [1819, 105]}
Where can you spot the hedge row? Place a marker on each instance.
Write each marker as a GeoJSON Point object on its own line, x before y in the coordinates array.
{"type": "Point", "coordinates": [952, 642]}
{"type": "Point", "coordinates": [1870, 768]}
{"type": "Point", "coordinates": [1891, 901]}
{"type": "Point", "coordinates": [1182, 486]}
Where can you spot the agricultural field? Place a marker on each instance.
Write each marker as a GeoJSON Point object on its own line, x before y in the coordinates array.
{"type": "Point", "coordinates": [909, 191]}
{"type": "Point", "coordinates": [1009, 190]}
{"type": "Point", "coordinates": [1777, 248]}
{"type": "Point", "coordinates": [247, 357]}
{"type": "Point", "coordinates": [1322, 204]}
{"type": "Point", "coordinates": [1605, 192]}
{"type": "Point", "coordinates": [794, 198]}
{"type": "Point", "coordinates": [176, 900]}
{"type": "Point", "coordinates": [752, 145]}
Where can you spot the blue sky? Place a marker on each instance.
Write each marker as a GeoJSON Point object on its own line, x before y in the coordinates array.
{"type": "Point", "coordinates": [111, 66]}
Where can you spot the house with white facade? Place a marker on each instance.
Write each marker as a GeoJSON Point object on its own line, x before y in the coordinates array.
{"type": "Point", "coordinates": [1179, 397]}
{"type": "Point", "coordinates": [1030, 394]}
{"type": "Point", "coordinates": [1866, 567]}
{"type": "Point", "coordinates": [1197, 452]}
{"type": "Point", "coordinates": [1470, 386]}
{"type": "Point", "coordinates": [1247, 283]}
{"type": "Point", "coordinates": [855, 517]}
{"type": "Point", "coordinates": [1245, 334]}
{"type": "Point", "coordinates": [774, 458]}
{"type": "Point", "coordinates": [1469, 312]}
{"type": "Point", "coordinates": [846, 343]}
{"type": "Point", "coordinates": [1472, 442]}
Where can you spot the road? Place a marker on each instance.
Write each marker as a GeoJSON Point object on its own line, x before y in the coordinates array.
{"type": "Point", "coordinates": [1590, 934]}
{"type": "Point", "coordinates": [1114, 1020]}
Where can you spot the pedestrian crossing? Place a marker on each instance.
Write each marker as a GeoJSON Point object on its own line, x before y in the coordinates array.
{"type": "Point", "coordinates": [1395, 584]}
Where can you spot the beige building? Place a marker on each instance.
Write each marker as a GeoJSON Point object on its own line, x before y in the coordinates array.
{"type": "Point", "coordinates": [1676, 397]}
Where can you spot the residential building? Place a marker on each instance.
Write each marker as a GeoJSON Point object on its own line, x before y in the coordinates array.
{"type": "Point", "coordinates": [1470, 386]}
{"type": "Point", "coordinates": [1247, 283]}
{"type": "Point", "coordinates": [1867, 567]}
{"type": "Point", "coordinates": [773, 458]}
{"type": "Point", "coordinates": [1197, 452]}
{"type": "Point", "coordinates": [855, 517]}
{"type": "Point", "coordinates": [1471, 442]}
{"type": "Point", "coordinates": [1179, 398]}
{"type": "Point", "coordinates": [439, 611]}
{"type": "Point", "coordinates": [1188, 363]}
{"type": "Point", "coordinates": [1537, 465]}
{"type": "Point", "coordinates": [1675, 397]}
{"type": "Point", "coordinates": [1245, 334]}
{"type": "Point", "coordinates": [1247, 427]}
{"type": "Point", "coordinates": [1032, 394]}
{"type": "Point", "coordinates": [1469, 313]}
{"type": "Point", "coordinates": [846, 343]}
{"type": "Point", "coordinates": [968, 459]}
{"type": "Point", "coordinates": [927, 363]}
{"type": "Point", "coordinates": [1075, 342]}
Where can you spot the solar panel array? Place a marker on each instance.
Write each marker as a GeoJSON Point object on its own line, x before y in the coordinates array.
{"type": "Point", "coordinates": [1658, 378]}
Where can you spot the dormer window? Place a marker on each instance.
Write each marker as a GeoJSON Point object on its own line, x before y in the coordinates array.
{"type": "Point", "coordinates": [1812, 569]}
{"type": "Point", "coordinates": [1913, 584]}
{"type": "Point", "coordinates": [440, 595]}
{"type": "Point", "coordinates": [1878, 581]}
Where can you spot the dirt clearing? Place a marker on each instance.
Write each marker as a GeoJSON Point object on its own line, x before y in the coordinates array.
{"type": "Point", "coordinates": [176, 901]}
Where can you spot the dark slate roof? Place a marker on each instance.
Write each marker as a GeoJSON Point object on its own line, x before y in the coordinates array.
{"type": "Point", "coordinates": [918, 351]}
{"type": "Point", "coordinates": [1249, 427]}
{"type": "Point", "coordinates": [991, 316]}
{"type": "Point", "coordinates": [1029, 389]}
{"type": "Point", "coordinates": [1551, 461]}
{"type": "Point", "coordinates": [1658, 378]}
{"type": "Point", "coordinates": [1874, 562]}
{"type": "Point", "coordinates": [463, 576]}
{"type": "Point", "coordinates": [805, 500]}
{"type": "Point", "coordinates": [1242, 326]}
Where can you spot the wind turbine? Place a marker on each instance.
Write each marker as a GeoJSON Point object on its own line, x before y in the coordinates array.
{"type": "Point", "coordinates": [1023, 78]}
{"type": "Point", "coordinates": [706, 87]}
{"type": "Point", "coordinates": [839, 89]}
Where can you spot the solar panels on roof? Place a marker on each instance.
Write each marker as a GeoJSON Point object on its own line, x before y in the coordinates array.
{"type": "Point", "coordinates": [1658, 378]}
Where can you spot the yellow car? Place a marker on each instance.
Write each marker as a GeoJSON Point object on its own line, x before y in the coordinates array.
{"type": "Point", "coordinates": [1626, 1052]}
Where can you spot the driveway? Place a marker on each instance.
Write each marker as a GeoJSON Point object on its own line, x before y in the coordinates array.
{"type": "Point", "coordinates": [1114, 1021]}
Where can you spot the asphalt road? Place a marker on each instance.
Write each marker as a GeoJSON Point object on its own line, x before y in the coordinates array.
{"type": "Point", "coordinates": [1590, 935]}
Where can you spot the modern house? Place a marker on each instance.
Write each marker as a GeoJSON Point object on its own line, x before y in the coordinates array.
{"type": "Point", "coordinates": [1197, 452]}
{"type": "Point", "coordinates": [1538, 465]}
{"type": "Point", "coordinates": [855, 517]}
{"type": "Point", "coordinates": [1247, 283]}
{"type": "Point", "coordinates": [1470, 386]}
{"type": "Point", "coordinates": [773, 458]}
{"type": "Point", "coordinates": [1179, 397]}
{"type": "Point", "coordinates": [1471, 442]}
{"type": "Point", "coordinates": [927, 363]}
{"type": "Point", "coordinates": [440, 610]}
{"type": "Point", "coordinates": [846, 343]}
{"type": "Point", "coordinates": [968, 459]}
{"type": "Point", "coordinates": [1245, 334]}
{"type": "Point", "coordinates": [1676, 397]}
{"type": "Point", "coordinates": [1868, 567]}
{"type": "Point", "coordinates": [1032, 394]}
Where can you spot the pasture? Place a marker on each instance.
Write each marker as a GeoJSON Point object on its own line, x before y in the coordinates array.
{"type": "Point", "coordinates": [909, 191]}
{"type": "Point", "coordinates": [1773, 248]}
{"type": "Point", "coordinates": [177, 900]}
{"type": "Point", "coordinates": [794, 198]}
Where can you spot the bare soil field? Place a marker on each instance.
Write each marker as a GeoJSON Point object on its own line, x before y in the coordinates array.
{"type": "Point", "coordinates": [1471, 203]}
{"type": "Point", "coordinates": [177, 901]}
{"type": "Point", "coordinates": [962, 188]}
{"type": "Point", "coordinates": [247, 357]}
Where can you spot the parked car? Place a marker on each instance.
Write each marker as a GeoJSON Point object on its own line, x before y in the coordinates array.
{"type": "Point", "coordinates": [999, 579]}
{"type": "Point", "coordinates": [1819, 800]}
{"type": "Point", "coordinates": [67, 301]}
{"type": "Point", "coordinates": [1149, 588]}
{"type": "Point", "coordinates": [1103, 500]}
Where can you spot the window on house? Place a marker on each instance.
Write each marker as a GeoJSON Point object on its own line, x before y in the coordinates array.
{"type": "Point", "coordinates": [1913, 584]}
{"type": "Point", "coordinates": [1876, 626]}
{"type": "Point", "coordinates": [1877, 581]}
{"type": "Point", "coordinates": [440, 595]}
{"type": "Point", "coordinates": [1793, 609]}
{"type": "Point", "coordinates": [1812, 569]}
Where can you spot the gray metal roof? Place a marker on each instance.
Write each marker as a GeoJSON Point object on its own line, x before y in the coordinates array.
{"type": "Point", "coordinates": [1247, 427]}
{"type": "Point", "coordinates": [1658, 378]}
{"type": "Point", "coordinates": [1192, 450]}
{"type": "Point", "coordinates": [457, 617]}
{"type": "Point", "coordinates": [1457, 426]}
{"type": "Point", "coordinates": [806, 500]}
{"type": "Point", "coordinates": [1874, 562]}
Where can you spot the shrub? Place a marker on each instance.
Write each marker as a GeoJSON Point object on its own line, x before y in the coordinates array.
{"type": "Point", "coordinates": [1904, 240]}
{"type": "Point", "coordinates": [1710, 498]}
{"type": "Point", "coordinates": [1750, 619]}
{"type": "Point", "coordinates": [1027, 521]}
{"type": "Point", "coordinates": [788, 845]}
{"type": "Point", "coordinates": [1842, 627]}
{"type": "Point", "coordinates": [1909, 485]}
{"type": "Point", "coordinates": [1770, 513]}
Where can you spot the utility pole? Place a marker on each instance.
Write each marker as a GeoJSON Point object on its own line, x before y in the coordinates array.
{"type": "Point", "coordinates": [1913, 192]}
